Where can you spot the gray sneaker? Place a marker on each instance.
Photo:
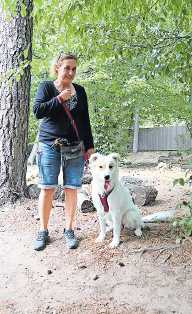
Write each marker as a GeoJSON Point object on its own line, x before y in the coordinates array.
{"type": "Point", "coordinates": [41, 240]}
{"type": "Point", "coordinates": [70, 238]}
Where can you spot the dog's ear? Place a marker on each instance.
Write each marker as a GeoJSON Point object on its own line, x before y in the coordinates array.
{"type": "Point", "coordinates": [94, 157]}
{"type": "Point", "coordinates": [115, 156]}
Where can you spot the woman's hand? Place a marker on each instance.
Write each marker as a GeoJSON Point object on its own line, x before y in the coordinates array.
{"type": "Point", "coordinates": [64, 95]}
{"type": "Point", "coordinates": [89, 152]}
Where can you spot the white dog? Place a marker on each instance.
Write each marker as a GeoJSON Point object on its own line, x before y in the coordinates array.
{"type": "Point", "coordinates": [111, 199]}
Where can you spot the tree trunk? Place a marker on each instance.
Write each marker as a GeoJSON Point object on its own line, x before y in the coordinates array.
{"type": "Point", "coordinates": [15, 57]}
{"type": "Point", "coordinates": [136, 133]}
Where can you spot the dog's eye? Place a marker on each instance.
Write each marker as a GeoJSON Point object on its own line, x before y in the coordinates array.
{"type": "Point", "coordinates": [110, 166]}
{"type": "Point", "coordinates": [100, 166]}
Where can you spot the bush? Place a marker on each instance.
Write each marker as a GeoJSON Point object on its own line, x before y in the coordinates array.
{"type": "Point", "coordinates": [110, 129]}
{"type": "Point", "coordinates": [183, 227]}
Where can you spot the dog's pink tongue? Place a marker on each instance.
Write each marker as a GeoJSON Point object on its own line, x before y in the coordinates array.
{"type": "Point", "coordinates": [106, 185]}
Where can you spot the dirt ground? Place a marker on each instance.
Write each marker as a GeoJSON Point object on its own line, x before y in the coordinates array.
{"type": "Point", "coordinates": [132, 279]}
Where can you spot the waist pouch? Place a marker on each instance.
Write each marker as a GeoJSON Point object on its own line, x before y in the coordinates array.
{"type": "Point", "coordinates": [72, 151]}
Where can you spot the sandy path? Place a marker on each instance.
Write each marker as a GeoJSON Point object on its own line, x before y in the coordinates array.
{"type": "Point", "coordinates": [94, 278]}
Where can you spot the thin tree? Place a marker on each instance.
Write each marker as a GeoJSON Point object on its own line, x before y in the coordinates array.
{"type": "Point", "coordinates": [15, 80]}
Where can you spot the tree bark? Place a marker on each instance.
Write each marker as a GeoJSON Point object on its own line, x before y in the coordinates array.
{"type": "Point", "coordinates": [15, 57]}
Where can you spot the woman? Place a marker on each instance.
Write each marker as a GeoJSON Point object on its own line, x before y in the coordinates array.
{"type": "Point", "coordinates": [65, 126]}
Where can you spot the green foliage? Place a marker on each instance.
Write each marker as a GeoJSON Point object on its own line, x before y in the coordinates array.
{"type": "Point", "coordinates": [180, 181]}
{"type": "Point", "coordinates": [133, 55]}
{"type": "Point", "coordinates": [9, 7]}
{"type": "Point", "coordinates": [111, 114]}
{"type": "Point", "coordinates": [159, 33]}
{"type": "Point", "coordinates": [183, 227]}
{"type": "Point", "coordinates": [110, 130]}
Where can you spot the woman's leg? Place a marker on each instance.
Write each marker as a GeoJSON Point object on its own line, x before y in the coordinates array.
{"type": "Point", "coordinates": [72, 174]}
{"type": "Point", "coordinates": [70, 207]}
{"type": "Point", "coordinates": [49, 162]}
{"type": "Point", "coordinates": [45, 205]}
{"type": "Point", "coordinates": [70, 211]}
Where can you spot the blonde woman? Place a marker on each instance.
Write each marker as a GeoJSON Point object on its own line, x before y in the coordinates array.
{"type": "Point", "coordinates": [64, 136]}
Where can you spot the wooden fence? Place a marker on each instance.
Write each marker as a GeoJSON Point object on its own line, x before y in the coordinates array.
{"type": "Point", "coordinates": [164, 138]}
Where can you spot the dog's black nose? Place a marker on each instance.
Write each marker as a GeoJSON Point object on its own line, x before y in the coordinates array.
{"type": "Point", "coordinates": [107, 177]}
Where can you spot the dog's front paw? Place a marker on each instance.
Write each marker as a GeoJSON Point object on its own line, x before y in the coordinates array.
{"type": "Point", "coordinates": [138, 232]}
{"type": "Point", "coordinates": [100, 238]}
{"type": "Point", "coordinates": [114, 244]}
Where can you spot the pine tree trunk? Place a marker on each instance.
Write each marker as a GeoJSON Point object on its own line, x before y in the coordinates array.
{"type": "Point", "coordinates": [15, 51]}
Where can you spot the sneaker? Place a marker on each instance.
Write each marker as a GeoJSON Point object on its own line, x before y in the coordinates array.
{"type": "Point", "coordinates": [41, 240]}
{"type": "Point", "coordinates": [70, 238]}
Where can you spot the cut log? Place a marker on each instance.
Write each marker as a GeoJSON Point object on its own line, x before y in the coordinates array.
{"type": "Point", "coordinates": [84, 202]}
{"type": "Point", "coordinates": [32, 191]}
{"type": "Point", "coordinates": [171, 159]}
{"type": "Point", "coordinates": [142, 194]}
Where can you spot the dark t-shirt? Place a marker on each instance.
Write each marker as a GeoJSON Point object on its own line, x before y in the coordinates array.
{"type": "Point", "coordinates": [55, 123]}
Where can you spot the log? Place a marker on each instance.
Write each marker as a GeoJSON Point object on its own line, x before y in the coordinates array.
{"type": "Point", "coordinates": [32, 191]}
{"type": "Point", "coordinates": [142, 194]}
{"type": "Point", "coordinates": [84, 202]}
{"type": "Point", "coordinates": [173, 159]}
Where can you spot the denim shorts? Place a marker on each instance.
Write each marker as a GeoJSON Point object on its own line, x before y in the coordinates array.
{"type": "Point", "coordinates": [50, 162]}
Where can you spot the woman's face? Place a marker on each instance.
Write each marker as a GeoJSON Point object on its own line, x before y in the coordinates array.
{"type": "Point", "coordinates": [66, 71]}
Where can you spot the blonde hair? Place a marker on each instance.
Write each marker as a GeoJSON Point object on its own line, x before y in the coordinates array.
{"type": "Point", "coordinates": [57, 62]}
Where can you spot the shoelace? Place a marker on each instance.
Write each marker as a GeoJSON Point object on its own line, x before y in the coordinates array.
{"type": "Point", "coordinates": [41, 236]}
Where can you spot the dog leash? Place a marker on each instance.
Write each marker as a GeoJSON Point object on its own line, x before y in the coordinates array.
{"type": "Point", "coordinates": [71, 120]}
{"type": "Point", "coordinates": [103, 199]}
{"type": "Point", "coordinates": [76, 131]}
